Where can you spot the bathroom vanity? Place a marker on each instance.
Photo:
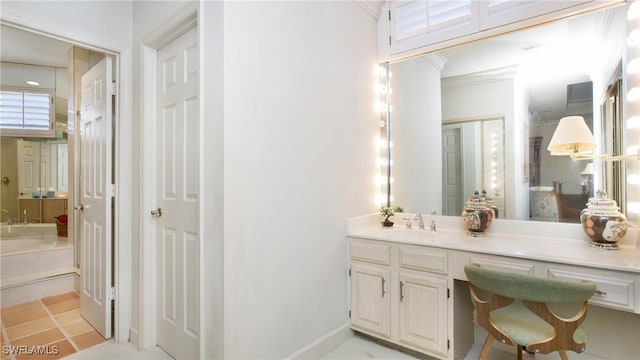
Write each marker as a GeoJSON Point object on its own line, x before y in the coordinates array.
{"type": "Point", "coordinates": [408, 286]}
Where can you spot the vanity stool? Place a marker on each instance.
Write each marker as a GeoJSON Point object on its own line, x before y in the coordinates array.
{"type": "Point", "coordinates": [516, 311]}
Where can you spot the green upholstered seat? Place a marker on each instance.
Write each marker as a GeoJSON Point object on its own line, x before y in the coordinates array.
{"type": "Point", "coordinates": [517, 311]}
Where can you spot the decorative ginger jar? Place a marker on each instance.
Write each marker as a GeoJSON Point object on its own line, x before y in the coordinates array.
{"type": "Point", "coordinates": [490, 203]}
{"type": "Point", "coordinates": [477, 216]}
{"type": "Point", "coordinates": [603, 221]}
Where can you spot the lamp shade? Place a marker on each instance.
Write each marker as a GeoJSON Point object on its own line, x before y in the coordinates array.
{"type": "Point", "coordinates": [572, 136]}
{"type": "Point", "coordinates": [588, 170]}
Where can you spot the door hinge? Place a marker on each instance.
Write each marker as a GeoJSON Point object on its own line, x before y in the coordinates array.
{"type": "Point", "coordinates": [389, 15]}
{"type": "Point", "coordinates": [112, 293]}
{"type": "Point", "coordinates": [349, 271]}
{"type": "Point", "coordinates": [448, 344]}
{"type": "Point", "coordinates": [389, 40]}
{"type": "Point", "coordinates": [349, 314]}
{"type": "Point", "coordinates": [113, 190]}
{"type": "Point", "coordinates": [448, 293]}
{"type": "Point", "coordinates": [113, 87]}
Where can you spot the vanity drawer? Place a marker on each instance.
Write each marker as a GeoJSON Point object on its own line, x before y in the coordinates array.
{"type": "Point", "coordinates": [500, 264]}
{"type": "Point", "coordinates": [421, 258]}
{"type": "Point", "coordinates": [373, 252]}
{"type": "Point", "coordinates": [613, 290]}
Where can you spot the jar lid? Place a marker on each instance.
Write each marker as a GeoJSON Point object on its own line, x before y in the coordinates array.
{"type": "Point", "coordinates": [476, 202]}
{"type": "Point", "coordinates": [602, 203]}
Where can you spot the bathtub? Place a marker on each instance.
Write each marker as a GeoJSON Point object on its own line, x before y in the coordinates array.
{"type": "Point", "coordinates": [34, 263]}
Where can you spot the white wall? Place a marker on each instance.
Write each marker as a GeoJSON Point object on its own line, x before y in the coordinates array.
{"type": "Point", "coordinates": [299, 158]}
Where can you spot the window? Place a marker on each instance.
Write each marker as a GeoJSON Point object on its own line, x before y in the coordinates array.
{"type": "Point", "coordinates": [27, 112]}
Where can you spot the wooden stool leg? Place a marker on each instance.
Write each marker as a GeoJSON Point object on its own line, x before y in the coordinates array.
{"type": "Point", "coordinates": [527, 355]}
{"type": "Point", "coordinates": [563, 355]}
{"type": "Point", "coordinates": [484, 353]}
{"type": "Point", "coordinates": [519, 351]}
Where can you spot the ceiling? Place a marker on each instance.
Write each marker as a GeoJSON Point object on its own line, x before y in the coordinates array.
{"type": "Point", "coordinates": [24, 47]}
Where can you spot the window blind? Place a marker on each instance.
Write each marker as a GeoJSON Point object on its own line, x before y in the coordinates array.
{"type": "Point", "coordinates": [26, 112]}
{"type": "Point", "coordinates": [415, 18]}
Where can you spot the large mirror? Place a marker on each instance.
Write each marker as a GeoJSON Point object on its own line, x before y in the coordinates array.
{"type": "Point", "coordinates": [35, 168]}
{"type": "Point", "coordinates": [480, 116]}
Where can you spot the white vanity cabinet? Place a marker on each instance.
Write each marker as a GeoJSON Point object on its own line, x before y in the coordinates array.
{"type": "Point", "coordinates": [370, 299]}
{"type": "Point", "coordinates": [406, 28]}
{"type": "Point", "coordinates": [399, 293]}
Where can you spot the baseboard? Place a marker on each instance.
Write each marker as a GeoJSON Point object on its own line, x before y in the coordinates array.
{"type": "Point", "coordinates": [324, 344]}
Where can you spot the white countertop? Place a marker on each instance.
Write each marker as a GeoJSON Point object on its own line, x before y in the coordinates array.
{"type": "Point", "coordinates": [568, 247]}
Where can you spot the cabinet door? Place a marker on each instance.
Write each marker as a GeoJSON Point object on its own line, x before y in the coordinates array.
{"type": "Point", "coordinates": [414, 24]}
{"type": "Point", "coordinates": [423, 312]}
{"type": "Point", "coordinates": [370, 300]}
{"type": "Point", "coordinates": [51, 208]}
{"type": "Point", "coordinates": [494, 13]}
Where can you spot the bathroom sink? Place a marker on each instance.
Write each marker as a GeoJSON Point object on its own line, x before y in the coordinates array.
{"type": "Point", "coordinates": [404, 234]}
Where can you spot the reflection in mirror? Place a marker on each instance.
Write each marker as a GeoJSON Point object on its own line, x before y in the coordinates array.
{"type": "Point", "coordinates": [472, 160]}
{"type": "Point", "coordinates": [35, 164]}
{"type": "Point", "coordinates": [516, 86]}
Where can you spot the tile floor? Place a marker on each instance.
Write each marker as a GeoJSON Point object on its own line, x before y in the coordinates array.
{"type": "Point", "coordinates": [49, 328]}
{"type": "Point", "coordinates": [54, 325]}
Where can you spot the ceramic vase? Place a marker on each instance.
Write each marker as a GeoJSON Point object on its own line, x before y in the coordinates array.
{"type": "Point", "coordinates": [477, 216]}
{"type": "Point", "coordinates": [603, 222]}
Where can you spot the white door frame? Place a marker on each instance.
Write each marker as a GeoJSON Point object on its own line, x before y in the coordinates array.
{"type": "Point", "coordinates": [122, 139]}
{"type": "Point", "coordinates": [182, 21]}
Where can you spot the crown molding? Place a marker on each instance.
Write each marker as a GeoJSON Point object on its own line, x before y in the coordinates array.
{"type": "Point", "coordinates": [372, 7]}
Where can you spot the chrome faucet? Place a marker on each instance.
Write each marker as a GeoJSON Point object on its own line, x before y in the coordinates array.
{"type": "Point", "coordinates": [433, 222]}
{"type": "Point", "coordinates": [9, 221]}
{"type": "Point", "coordinates": [408, 222]}
{"type": "Point", "coordinates": [418, 217]}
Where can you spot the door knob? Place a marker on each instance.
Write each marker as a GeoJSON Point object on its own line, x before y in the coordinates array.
{"type": "Point", "coordinates": [80, 207]}
{"type": "Point", "coordinates": [157, 212]}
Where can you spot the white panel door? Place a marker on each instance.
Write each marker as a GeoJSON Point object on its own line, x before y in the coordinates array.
{"type": "Point", "coordinates": [452, 172]}
{"type": "Point", "coordinates": [28, 166]}
{"type": "Point", "coordinates": [95, 196]}
{"type": "Point", "coordinates": [178, 198]}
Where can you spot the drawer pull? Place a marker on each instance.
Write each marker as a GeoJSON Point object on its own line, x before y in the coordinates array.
{"type": "Point", "coordinates": [600, 292]}
{"type": "Point", "coordinates": [382, 287]}
{"type": "Point", "coordinates": [401, 294]}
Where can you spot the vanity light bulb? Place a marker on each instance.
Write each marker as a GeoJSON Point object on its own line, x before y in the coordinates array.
{"type": "Point", "coordinates": [633, 179]}
{"type": "Point", "coordinates": [634, 38]}
{"type": "Point", "coordinates": [382, 123]}
{"type": "Point", "coordinates": [633, 66]}
{"type": "Point", "coordinates": [633, 149]}
{"type": "Point", "coordinates": [633, 94]}
{"type": "Point", "coordinates": [633, 122]}
{"type": "Point", "coordinates": [633, 207]}
{"type": "Point", "coordinates": [634, 11]}
{"type": "Point", "coordinates": [383, 162]}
